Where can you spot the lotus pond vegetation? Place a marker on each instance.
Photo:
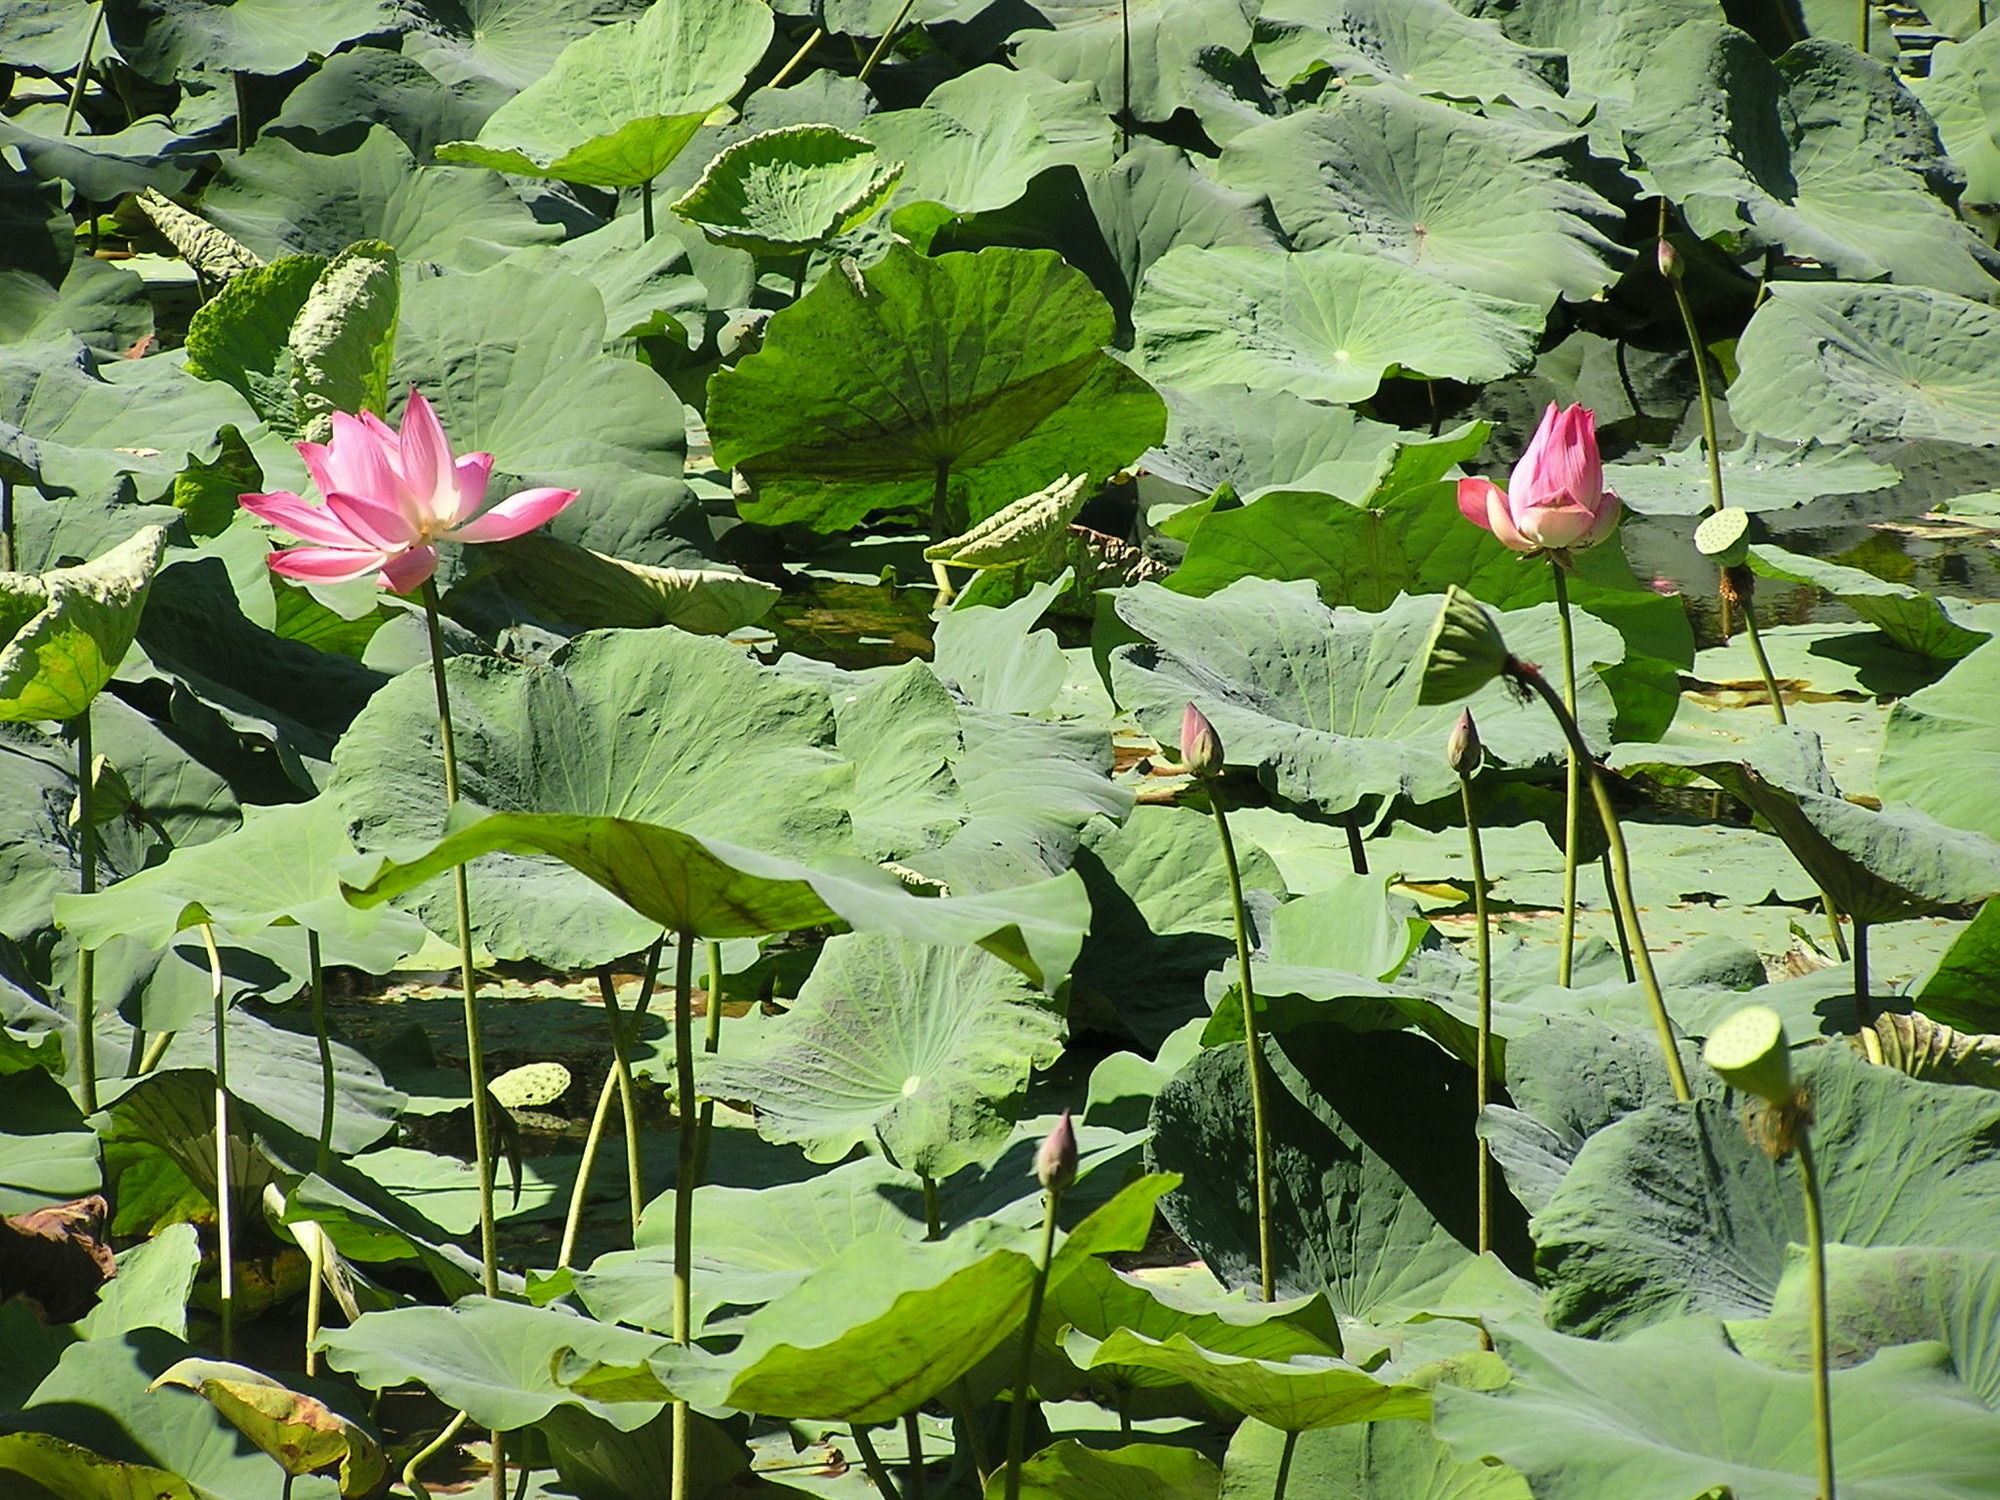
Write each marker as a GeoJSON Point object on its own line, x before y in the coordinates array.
{"type": "Point", "coordinates": [1065, 750]}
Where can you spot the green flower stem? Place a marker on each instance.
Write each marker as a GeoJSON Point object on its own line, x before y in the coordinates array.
{"type": "Point", "coordinates": [225, 1196]}
{"type": "Point", "coordinates": [913, 1445]}
{"type": "Point", "coordinates": [1617, 918]}
{"type": "Point", "coordinates": [871, 1461]}
{"type": "Point", "coordinates": [1573, 787]}
{"type": "Point", "coordinates": [1017, 1414]}
{"type": "Point", "coordinates": [475, 1041]}
{"type": "Point", "coordinates": [86, 958]}
{"type": "Point", "coordinates": [76, 89]}
{"type": "Point", "coordinates": [244, 134]}
{"type": "Point", "coordinates": [684, 1175]}
{"type": "Point", "coordinates": [314, 1244]}
{"type": "Point", "coordinates": [1482, 1070]}
{"type": "Point", "coordinates": [593, 1140]}
{"type": "Point", "coordinates": [156, 1049]}
{"type": "Point", "coordinates": [428, 1452]}
{"type": "Point", "coordinates": [323, 1147]}
{"type": "Point", "coordinates": [711, 1043]}
{"type": "Point", "coordinates": [792, 63]}
{"type": "Point", "coordinates": [1357, 848]}
{"type": "Point", "coordinates": [1862, 48]}
{"type": "Point", "coordinates": [628, 1104]}
{"type": "Point", "coordinates": [1748, 610]}
{"type": "Point", "coordinates": [1816, 1266]}
{"type": "Point", "coordinates": [1253, 1053]}
{"type": "Point", "coordinates": [1621, 868]}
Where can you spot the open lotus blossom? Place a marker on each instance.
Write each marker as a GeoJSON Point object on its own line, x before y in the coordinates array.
{"type": "Point", "coordinates": [1555, 500]}
{"type": "Point", "coordinates": [391, 497]}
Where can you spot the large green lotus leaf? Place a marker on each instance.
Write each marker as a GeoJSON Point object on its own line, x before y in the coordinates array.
{"type": "Point", "coordinates": [499, 47]}
{"type": "Point", "coordinates": [1423, 46]}
{"type": "Point", "coordinates": [165, 39]}
{"type": "Point", "coordinates": [1674, 1210]}
{"type": "Point", "coordinates": [99, 1398]}
{"type": "Point", "coordinates": [1821, 154]}
{"type": "Point", "coordinates": [589, 591]}
{"type": "Point", "coordinates": [1941, 746]}
{"type": "Point", "coordinates": [621, 101]}
{"type": "Point", "coordinates": [1371, 1145]}
{"type": "Point", "coordinates": [1493, 206]}
{"type": "Point", "coordinates": [1674, 1412]}
{"type": "Point", "coordinates": [650, 286]}
{"type": "Point", "coordinates": [333, 109]}
{"type": "Point", "coordinates": [1138, 1471]}
{"type": "Point", "coordinates": [1758, 475]}
{"type": "Point", "coordinates": [924, 1052]}
{"type": "Point", "coordinates": [45, 36]}
{"type": "Point", "coordinates": [784, 191]}
{"type": "Point", "coordinates": [48, 1155]}
{"type": "Point", "coordinates": [1153, 58]}
{"type": "Point", "coordinates": [149, 153]}
{"type": "Point", "coordinates": [902, 733]}
{"type": "Point", "coordinates": [101, 303]}
{"type": "Point", "coordinates": [1365, 1461]}
{"type": "Point", "coordinates": [278, 199]}
{"type": "Point", "coordinates": [513, 362]}
{"type": "Point", "coordinates": [1883, 1297]}
{"type": "Point", "coordinates": [66, 630]}
{"type": "Point", "coordinates": [1915, 620]}
{"type": "Point", "coordinates": [955, 384]}
{"type": "Point", "coordinates": [1330, 324]}
{"type": "Point", "coordinates": [296, 1430]}
{"type": "Point", "coordinates": [1256, 441]}
{"type": "Point", "coordinates": [489, 1358]}
{"type": "Point", "coordinates": [719, 746]}
{"type": "Point", "coordinates": [1845, 363]}
{"type": "Point", "coordinates": [1959, 990]}
{"type": "Point", "coordinates": [1959, 94]}
{"type": "Point", "coordinates": [54, 1467]}
{"type": "Point", "coordinates": [1324, 701]}
{"type": "Point", "coordinates": [345, 337]}
{"type": "Point", "coordinates": [996, 659]}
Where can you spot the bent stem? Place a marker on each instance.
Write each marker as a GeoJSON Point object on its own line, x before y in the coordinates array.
{"type": "Point", "coordinates": [1816, 1268]}
{"type": "Point", "coordinates": [86, 958]}
{"type": "Point", "coordinates": [628, 1106]}
{"type": "Point", "coordinates": [225, 1208]}
{"type": "Point", "coordinates": [684, 1174]}
{"type": "Point", "coordinates": [593, 1140]}
{"type": "Point", "coordinates": [76, 94]}
{"type": "Point", "coordinates": [1253, 1054]}
{"type": "Point", "coordinates": [1481, 1072]}
{"type": "Point", "coordinates": [1621, 867]}
{"type": "Point", "coordinates": [1017, 1414]}
{"type": "Point", "coordinates": [1573, 787]}
{"type": "Point", "coordinates": [711, 1043]}
{"type": "Point", "coordinates": [323, 1147]}
{"type": "Point", "coordinates": [882, 43]}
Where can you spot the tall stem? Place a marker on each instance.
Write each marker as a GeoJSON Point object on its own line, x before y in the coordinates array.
{"type": "Point", "coordinates": [711, 1043]}
{"type": "Point", "coordinates": [1482, 1071]}
{"type": "Point", "coordinates": [882, 43]}
{"type": "Point", "coordinates": [871, 1461]}
{"type": "Point", "coordinates": [1617, 919]}
{"type": "Point", "coordinates": [1862, 19]}
{"type": "Point", "coordinates": [1285, 1466]}
{"type": "Point", "coordinates": [1621, 871]}
{"type": "Point", "coordinates": [76, 90]}
{"type": "Point", "coordinates": [8, 561]}
{"type": "Point", "coordinates": [913, 1445]}
{"type": "Point", "coordinates": [1864, 1010]}
{"type": "Point", "coordinates": [323, 1147]}
{"type": "Point", "coordinates": [1816, 1268]}
{"type": "Point", "coordinates": [241, 81]}
{"type": "Point", "coordinates": [792, 63]}
{"type": "Point", "coordinates": [646, 209]}
{"type": "Point", "coordinates": [1573, 787]}
{"type": "Point", "coordinates": [315, 1246]}
{"type": "Point", "coordinates": [621, 1067]}
{"type": "Point", "coordinates": [1706, 396]}
{"type": "Point", "coordinates": [86, 882]}
{"type": "Point", "coordinates": [684, 1108]}
{"type": "Point", "coordinates": [1124, 76]}
{"type": "Point", "coordinates": [1017, 1414]}
{"type": "Point", "coordinates": [225, 1207]}
{"type": "Point", "coordinates": [475, 1040]}
{"type": "Point", "coordinates": [1357, 847]}
{"type": "Point", "coordinates": [593, 1139]}
{"type": "Point", "coordinates": [1253, 1053]}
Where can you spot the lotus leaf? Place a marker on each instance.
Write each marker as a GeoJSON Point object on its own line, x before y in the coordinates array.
{"type": "Point", "coordinates": [1140, 1471]}
{"type": "Point", "coordinates": [1939, 747]}
{"type": "Point", "coordinates": [784, 191]}
{"type": "Point", "coordinates": [68, 629]}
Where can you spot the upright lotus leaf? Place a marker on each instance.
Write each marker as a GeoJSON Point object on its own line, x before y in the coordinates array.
{"type": "Point", "coordinates": [785, 191]}
{"type": "Point", "coordinates": [344, 337]}
{"type": "Point", "coordinates": [951, 385]}
{"type": "Point", "coordinates": [1159, 55]}
{"type": "Point", "coordinates": [621, 101]}
{"type": "Point", "coordinates": [1026, 531]}
{"type": "Point", "coordinates": [1366, 1461]}
{"type": "Point", "coordinates": [1674, 1412]}
{"type": "Point", "coordinates": [1822, 154]}
{"type": "Point", "coordinates": [1873, 364]}
{"type": "Point", "coordinates": [1330, 323]}
{"type": "Point", "coordinates": [1760, 474]}
{"type": "Point", "coordinates": [1674, 1209]}
{"type": "Point", "coordinates": [242, 335]}
{"type": "Point", "coordinates": [166, 39]}
{"type": "Point", "coordinates": [1423, 46]}
{"type": "Point", "coordinates": [1941, 746]}
{"type": "Point", "coordinates": [921, 1051]}
{"type": "Point", "coordinates": [211, 252]}
{"type": "Point", "coordinates": [1913, 619]}
{"type": "Point", "coordinates": [300, 1432]}
{"type": "Point", "coordinates": [1493, 206]}
{"type": "Point", "coordinates": [653, 726]}
{"type": "Point", "coordinates": [1956, 93]}
{"type": "Point", "coordinates": [334, 108]}
{"type": "Point", "coordinates": [1325, 702]}
{"type": "Point", "coordinates": [1138, 1471]}
{"type": "Point", "coordinates": [66, 630]}
{"type": "Point", "coordinates": [278, 199]}
{"type": "Point", "coordinates": [1959, 990]}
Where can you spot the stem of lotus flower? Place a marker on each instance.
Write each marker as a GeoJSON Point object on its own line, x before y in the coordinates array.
{"type": "Point", "coordinates": [1253, 1052]}
{"type": "Point", "coordinates": [684, 1178]}
{"type": "Point", "coordinates": [1531, 678]}
{"type": "Point", "coordinates": [1482, 1071]}
{"type": "Point", "coordinates": [933, 1219]}
{"type": "Point", "coordinates": [1749, 612]}
{"type": "Point", "coordinates": [1017, 1414]}
{"type": "Point", "coordinates": [1816, 1269]}
{"type": "Point", "coordinates": [86, 958]}
{"type": "Point", "coordinates": [628, 1105]}
{"type": "Point", "coordinates": [711, 1043]}
{"type": "Point", "coordinates": [1617, 918]}
{"type": "Point", "coordinates": [241, 81]}
{"type": "Point", "coordinates": [316, 980]}
{"type": "Point", "coordinates": [78, 85]}
{"type": "Point", "coordinates": [475, 1040]}
{"type": "Point", "coordinates": [792, 63]}
{"type": "Point", "coordinates": [1572, 787]}
{"type": "Point", "coordinates": [428, 1452]}
{"type": "Point", "coordinates": [225, 1196]}
{"type": "Point", "coordinates": [593, 1139]}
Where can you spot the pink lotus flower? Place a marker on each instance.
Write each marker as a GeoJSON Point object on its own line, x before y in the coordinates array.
{"type": "Point", "coordinates": [390, 499]}
{"type": "Point", "coordinates": [1555, 500]}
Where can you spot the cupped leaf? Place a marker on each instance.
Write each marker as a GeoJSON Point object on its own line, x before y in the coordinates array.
{"type": "Point", "coordinates": [953, 385]}
{"type": "Point", "coordinates": [1959, 990]}
{"type": "Point", "coordinates": [301, 1433]}
{"type": "Point", "coordinates": [164, 39]}
{"type": "Point", "coordinates": [1941, 746]}
{"type": "Point", "coordinates": [1330, 324]}
{"type": "Point", "coordinates": [1138, 1471]}
{"type": "Point", "coordinates": [1151, 59]}
{"type": "Point", "coordinates": [1848, 363]}
{"type": "Point", "coordinates": [784, 191]}
{"type": "Point", "coordinates": [66, 630]}
{"type": "Point", "coordinates": [1423, 46]}
{"type": "Point", "coordinates": [621, 102]}
{"type": "Point", "coordinates": [923, 1051]}
{"type": "Point", "coordinates": [1494, 206]}
{"type": "Point", "coordinates": [345, 336]}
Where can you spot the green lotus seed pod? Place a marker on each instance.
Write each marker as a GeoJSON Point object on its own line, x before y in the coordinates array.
{"type": "Point", "coordinates": [1464, 652]}
{"type": "Point", "coordinates": [1749, 1050]}
{"type": "Point", "coordinates": [1725, 536]}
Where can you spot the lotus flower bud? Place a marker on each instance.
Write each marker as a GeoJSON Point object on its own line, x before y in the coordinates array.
{"type": "Point", "coordinates": [1555, 500]}
{"type": "Point", "coordinates": [1669, 260]}
{"type": "Point", "coordinates": [1463, 751]}
{"type": "Point", "coordinates": [1201, 746]}
{"type": "Point", "coordinates": [1055, 1163]}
